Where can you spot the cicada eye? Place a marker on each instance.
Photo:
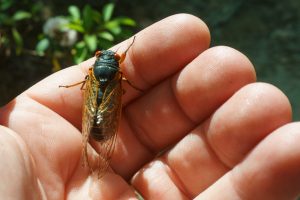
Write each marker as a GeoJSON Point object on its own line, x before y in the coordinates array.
{"type": "Point", "coordinates": [98, 54]}
{"type": "Point", "coordinates": [117, 57]}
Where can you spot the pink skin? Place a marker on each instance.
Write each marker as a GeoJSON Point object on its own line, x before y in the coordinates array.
{"type": "Point", "coordinates": [223, 135]}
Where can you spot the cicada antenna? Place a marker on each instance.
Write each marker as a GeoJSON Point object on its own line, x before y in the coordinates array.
{"type": "Point", "coordinates": [130, 44]}
{"type": "Point", "coordinates": [123, 55]}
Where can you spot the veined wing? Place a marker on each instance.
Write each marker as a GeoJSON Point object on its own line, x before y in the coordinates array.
{"type": "Point", "coordinates": [88, 112]}
{"type": "Point", "coordinates": [110, 112]}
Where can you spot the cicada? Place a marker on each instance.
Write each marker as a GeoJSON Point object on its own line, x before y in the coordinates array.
{"type": "Point", "coordinates": [102, 105]}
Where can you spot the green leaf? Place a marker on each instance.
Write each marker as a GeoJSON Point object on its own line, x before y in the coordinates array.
{"type": "Point", "coordinates": [81, 56]}
{"type": "Point", "coordinates": [97, 17]}
{"type": "Point", "coordinates": [113, 26]}
{"type": "Point", "coordinates": [116, 30]}
{"type": "Point", "coordinates": [126, 21]}
{"type": "Point", "coordinates": [18, 40]}
{"type": "Point", "coordinates": [106, 35]}
{"type": "Point", "coordinates": [3, 40]}
{"type": "Point", "coordinates": [77, 27]}
{"type": "Point", "coordinates": [5, 4]}
{"type": "Point", "coordinates": [108, 10]}
{"type": "Point", "coordinates": [87, 18]}
{"type": "Point", "coordinates": [4, 19]}
{"type": "Point", "coordinates": [21, 15]}
{"type": "Point", "coordinates": [81, 52]}
{"type": "Point", "coordinates": [74, 12]}
{"type": "Point", "coordinates": [104, 44]}
{"type": "Point", "coordinates": [36, 8]}
{"type": "Point", "coordinates": [17, 37]}
{"type": "Point", "coordinates": [80, 45]}
{"type": "Point", "coordinates": [91, 42]}
{"type": "Point", "coordinates": [42, 46]}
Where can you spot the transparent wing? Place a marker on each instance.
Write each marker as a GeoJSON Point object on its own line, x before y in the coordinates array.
{"type": "Point", "coordinates": [88, 112]}
{"type": "Point", "coordinates": [110, 111]}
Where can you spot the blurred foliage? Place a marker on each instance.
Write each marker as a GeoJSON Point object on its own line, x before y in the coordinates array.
{"type": "Point", "coordinates": [75, 35]}
{"type": "Point", "coordinates": [81, 32]}
{"type": "Point", "coordinates": [39, 37]}
{"type": "Point", "coordinates": [15, 20]}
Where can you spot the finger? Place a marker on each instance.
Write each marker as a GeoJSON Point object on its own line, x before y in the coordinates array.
{"type": "Point", "coordinates": [53, 142]}
{"type": "Point", "coordinates": [227, 137]}
{"type": "Point", "coordinates": [18, 180]}
{"type": "Point", "coordinates": [161, 53]}
{"type": "Point", "coordinates": [167, 112]}
{"type": "Point", "coordinates": [155, 182]}
{"type": "Point", "coordinates": [178, 104]}
{"type": "Point", "coordinates": [263, 109]}
{"type": "Point", "coordinates": [154, 56]}
{"type": "Point", "coordinates": [270, 171]}
{"type": "Point", "coordinates": [218, 144]}
{"type": "Point", "coordinates": [110, 187]}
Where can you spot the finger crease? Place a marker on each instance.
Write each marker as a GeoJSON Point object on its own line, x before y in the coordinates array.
{"type": "Point", "coordinates": [132, 62]}
{"type": "Point", "coordinates": [138, 131]}
{"type": "Point", "coordinates": [179, 105]}
{"type": "Point", "coordinates": [176, 180]}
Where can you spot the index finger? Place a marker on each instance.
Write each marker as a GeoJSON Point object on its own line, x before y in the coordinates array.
{"type": "Point", "coordinates": [160, 50]}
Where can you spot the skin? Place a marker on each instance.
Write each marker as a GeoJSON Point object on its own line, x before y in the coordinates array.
{"type": "Point", "coordinates": [219, 134]}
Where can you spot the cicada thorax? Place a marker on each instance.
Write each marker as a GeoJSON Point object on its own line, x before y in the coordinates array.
{"type": "Point", "coordinates": [108, 77]}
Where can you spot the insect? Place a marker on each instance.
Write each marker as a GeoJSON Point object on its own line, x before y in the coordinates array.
{"type": "Point", "coordinates": [102, 105]}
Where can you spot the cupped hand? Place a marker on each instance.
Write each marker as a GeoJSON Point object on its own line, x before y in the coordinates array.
{"type": "Point", "coordinates": [202, 128]}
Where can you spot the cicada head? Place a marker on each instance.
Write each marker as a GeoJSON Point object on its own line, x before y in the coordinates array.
{"type": "Point", "coordinates": [107, 57]}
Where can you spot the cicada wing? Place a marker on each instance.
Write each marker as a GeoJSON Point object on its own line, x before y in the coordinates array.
{"type": "Point", "coordinates": [88, 112]}
{"type": "Point", "coordinates": [110, 111]}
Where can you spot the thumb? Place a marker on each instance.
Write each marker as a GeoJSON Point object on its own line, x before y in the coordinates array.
{"type": "Point", "coordinates": [18, 178]}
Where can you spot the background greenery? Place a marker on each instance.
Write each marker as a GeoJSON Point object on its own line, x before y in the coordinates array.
{"type": "Point", "coordinates": [267, 31]}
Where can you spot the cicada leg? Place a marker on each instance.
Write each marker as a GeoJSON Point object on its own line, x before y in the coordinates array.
{"type": "Point", "coordinates": [75, 84]}
{"type": "Point", "coordinates": [125, 79]}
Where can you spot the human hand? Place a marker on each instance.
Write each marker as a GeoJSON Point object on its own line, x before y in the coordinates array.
{"type": "Point", "coordinates": [220, 135]}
